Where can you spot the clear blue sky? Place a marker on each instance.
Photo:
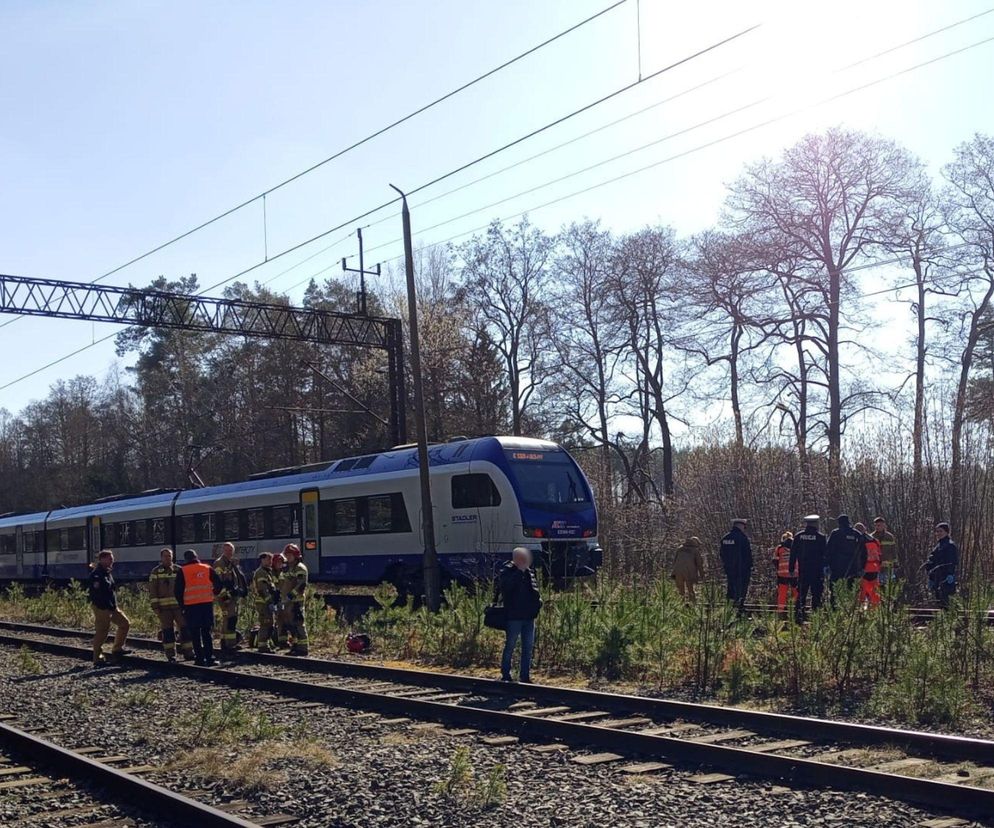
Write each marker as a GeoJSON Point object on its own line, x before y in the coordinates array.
{"type": "Point", "coordinates": [126, 123]}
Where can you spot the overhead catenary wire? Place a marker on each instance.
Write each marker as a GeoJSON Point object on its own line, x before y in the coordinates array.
{"type": "Point", "coordinates": [352, 221]}
{"type": "Point", "coordinates": [738, 133]}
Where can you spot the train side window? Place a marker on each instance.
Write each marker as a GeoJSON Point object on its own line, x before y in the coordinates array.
{"type": "Point", "coordinates": [188, 529]}
{"type": "Point", "coordinates": [54, 540]}
{"type": "Point", "coordinates": [77, 537]}
{"type": "Point", "coordinates": [283, 522]}
{"type": "Point", "coordinates": [206, 527]}
{"type": "Point", "coordinates": [158, 531]}
{"type": "Point", "coordinates": [380, 510]}
{"type": "Point", "coordinates": [8, 544]}
{"type": "Point", "coordinates": [141, 533]}
{"type": "Point", "coordinates": [256, 524]}
{"type": "Point", "coordinates": [28, 541]}
{"type": "Point", "coordinates": [345, 517]}
{"type": "Point", "coordinates": [64, 540]}
{"type": "Point", "coordinates": [401, 523]}
{"type": "Point", "coordinates": [125, 533]}
{"type": "Point", "coordinates": [231, 526]}
{"type": "Point", "coordinates": [473, 491]}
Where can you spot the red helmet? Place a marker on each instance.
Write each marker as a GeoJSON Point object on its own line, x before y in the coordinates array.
{"type": "Point", "coordinates": [358, 643]}
{"type": "Point", "coordinates": [291, 549]}
{"type": "Point", "coordinates": [279, 557]}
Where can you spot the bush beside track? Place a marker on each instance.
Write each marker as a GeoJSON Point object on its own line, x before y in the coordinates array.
{"type": "Point", "coordinates": [876, 665]}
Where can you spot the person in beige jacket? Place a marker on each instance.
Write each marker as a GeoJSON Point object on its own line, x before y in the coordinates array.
{"type": "Point", "coordinates": [688, 567]}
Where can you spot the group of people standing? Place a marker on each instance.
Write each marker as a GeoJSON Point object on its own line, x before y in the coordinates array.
{"type": "Point", "coordinates": [183, 599]}
{"type": "Point", "coordinates": [804, 560]}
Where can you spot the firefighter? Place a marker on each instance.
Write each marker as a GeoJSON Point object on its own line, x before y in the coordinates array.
{"type": "Point", "coordinates": [941, 566]}
{"type": "Point", "coordinates": [161, 593]}
{"type": "Point", "coordinates": [196, 585]}
{"type": "Point", "coordinates": [807, 560]}
{"type": "Point", "coordinates": [233, 587]}
{"type": "Point", "coordinates": [279, 616]}
{"type": "Point", "coordinates": [266, 594]}
{"type": "Point", "coordinates": [293, 592]}
{"type": "Point", "coordinates": [869, 593]}
{"type": "Point", "coordinates": [846, 554]}
{"type": "Point", "coordinates": [736, 558]}
{"type": "Point", "coordinates": [786, 580]}
{"type": "Point", "coordinates": [105, 611]}
{"type": "Point", "coordinates": [888, 550]}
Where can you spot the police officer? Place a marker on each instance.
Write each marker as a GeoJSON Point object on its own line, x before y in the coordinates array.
{"type": "Point", "coordinates": [846, 554]}
{"type": "Point", "coordinates": [233, 587]}
{"type": "Point", "coordinates": [162, 596]}
{"type": "Point", "coordinates": [736, 557]}
{"type": "Point", "coordinates": [266, 594]}
{"type": "Point", "coordinates": [807, 560]}
{"type": "Point", "coordinates": [941, 566]}
{"type": "Point", "coordinates": [105, 610]}
{"type": "Point", "coordinates": [293, 592]}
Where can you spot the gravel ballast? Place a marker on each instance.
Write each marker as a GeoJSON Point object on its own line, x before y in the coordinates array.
{"type": "Point", "coordinates": [368, 772]}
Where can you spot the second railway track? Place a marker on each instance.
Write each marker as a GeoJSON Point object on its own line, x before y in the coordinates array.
{"type": "Point", "coordinates": [639, 734]}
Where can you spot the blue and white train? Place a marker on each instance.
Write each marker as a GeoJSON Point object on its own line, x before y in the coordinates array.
{"type": "Point", "coordinates": [357, 520]}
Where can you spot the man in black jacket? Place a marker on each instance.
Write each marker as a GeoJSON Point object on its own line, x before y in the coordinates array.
{"type": "Point", "coordinates": [846, 555]}
{"type": "Point", "coordinates": [519, 593]}
{"type": "Point", "coordinates": [736, 558]}
{"type": "Point", "coordinates": [807, 559]}
{"type": "Point", "coordinates": [941, 566]}
{"type": "Point", "coordinates": [105, 611]}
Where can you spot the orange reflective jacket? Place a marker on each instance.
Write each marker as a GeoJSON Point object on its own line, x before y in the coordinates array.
{"type": "Point", "coordinates": [873, 554]}
{"type": "Point", "coordinates": [782, 557]}
{"type": "Point", "coordinates": [197, 586]}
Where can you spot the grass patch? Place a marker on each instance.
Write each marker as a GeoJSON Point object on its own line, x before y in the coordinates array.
{"type": "Point", "coordinates": [27, 662]}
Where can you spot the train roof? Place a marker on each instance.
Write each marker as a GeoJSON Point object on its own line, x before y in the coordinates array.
{"type": "Point", "coordinates": [18, 518]}
{"type": "Point", "coordinates": [399, 458]}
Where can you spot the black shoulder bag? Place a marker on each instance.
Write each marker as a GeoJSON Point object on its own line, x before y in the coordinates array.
{"type": "Point", "coordinates": [495, 615]}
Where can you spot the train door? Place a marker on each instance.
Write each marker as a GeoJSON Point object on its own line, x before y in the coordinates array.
{"type": "Point", "coordinates": [310, 529]}
{"type": "Point", "coordinates": [19, 551]}
{"type": "Point", "coordinates": [92, 538]}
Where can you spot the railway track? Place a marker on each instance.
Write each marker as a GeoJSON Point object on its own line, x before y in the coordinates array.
{"type": "Point", "coordinates": [44, 782]}
{"type": "Point", "coordinates": [630, 733]}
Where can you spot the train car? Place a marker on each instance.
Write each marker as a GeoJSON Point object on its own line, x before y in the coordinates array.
{"type": "Point", "coordinates": [357, 520]}
{"type": "Point", "coordinates": [22, 546]}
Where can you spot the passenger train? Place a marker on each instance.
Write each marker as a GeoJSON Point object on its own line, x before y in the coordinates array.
{"type": "Point", "coordinates": [357, 520]}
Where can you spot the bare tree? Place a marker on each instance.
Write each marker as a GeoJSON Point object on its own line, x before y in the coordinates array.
{"type": "Point", "coordinates": [831, 200]}
{"type": "Point", "coordinates": [506, 274]}
{"type": "Point", "coordinates": [969, 208]}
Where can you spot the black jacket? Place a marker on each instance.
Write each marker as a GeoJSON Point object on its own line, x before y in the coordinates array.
{"type": "Point", "coordinates": [846, 552]}
{"type": "Point", "coordinates": [807, 554]}
{"type": "Point", "coordinates": [736, 554]}
{"type": "Point", "coordinates": [942, 560]}
{"type": "Point", "coordinates": [519, 591]}
{"type": "Point", "coordinates": [180, 587]}
{"type": "Point", "coordinates": [102, 588]}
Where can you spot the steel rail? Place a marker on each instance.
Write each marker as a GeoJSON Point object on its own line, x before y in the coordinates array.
{"type": "Point", "coordinates": [961, 748]}
{"type": "Point", "coordinates": [944, 795]}
{"type": "Point", "coordinates": [146, 796]}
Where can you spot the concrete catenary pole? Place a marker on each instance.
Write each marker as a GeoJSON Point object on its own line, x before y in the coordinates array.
{"type": "Point", "coordinates": [432, 577]}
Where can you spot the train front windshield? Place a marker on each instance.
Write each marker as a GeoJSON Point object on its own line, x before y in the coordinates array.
{"type": "Point", "coordinates": [548, 480]}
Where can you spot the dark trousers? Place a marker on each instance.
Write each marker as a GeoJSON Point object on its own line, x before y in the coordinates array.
{"type": "Point", "coordinates": [515, 629]}
{"type": "Point", "coordinates": [200, 626]}
{"type": "Point", "coordinates": [835, 584]}
{"type": "Point", "coordinates": [737, 588]}
{"type": "Point", "coordinates": [813, 585]}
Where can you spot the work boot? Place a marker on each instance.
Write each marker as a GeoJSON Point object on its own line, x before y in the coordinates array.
{"type": "Point", "coordinates": [171, 659]}
{"type": "Point", "coordinates": [99, 662]}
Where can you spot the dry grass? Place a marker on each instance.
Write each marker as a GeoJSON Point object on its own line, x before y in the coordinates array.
{"type": "Point", "coordinates": [256, 768]}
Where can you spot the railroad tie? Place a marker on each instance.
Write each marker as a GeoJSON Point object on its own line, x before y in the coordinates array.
{"type": "Point", "coordinates": [583, 716]}
{"type": "Point", "coordinates": [710, 778]}
{"type": "Point", "coordinates": [716, 738]}
{"type": "Point", "coordinates": [965, 777]}
{"type": "Point", "coordinates": [497, 741]}
{"type": "Point", "coordinates": [784, 744]}
{"type": "Point", "coordinates": [547, 711]}
{"type": "Point", "coordinates": [639, 768]}
{"type": "Point", "coordinates": [597, 758]}
{"type": "Point", "coordinates": [899, 765]}
{"type": "Point", "coordinates": [555, 747]}
{"type": "Point", "coordinates": [635, 721]}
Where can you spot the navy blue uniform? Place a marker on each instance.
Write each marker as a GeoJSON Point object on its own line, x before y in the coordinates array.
{"type": "Point", "coordinates": [736, 558]}
{"type": "Point", "coordinates": [807, 559]}
{"type": "Point", "coordinates": [846, 555]}
{"type": "Point", "coordinates": [941, 568]}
